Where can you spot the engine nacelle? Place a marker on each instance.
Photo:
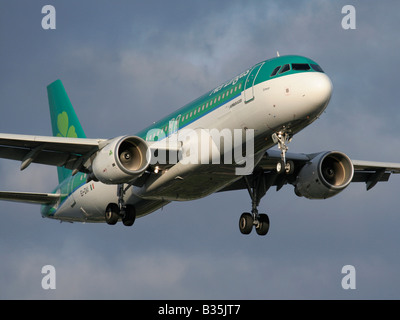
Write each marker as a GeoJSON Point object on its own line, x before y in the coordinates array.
{"type": "Point", "coordinates": [324, 176]}
{"type": "Point", "coordinates": [122, 160]}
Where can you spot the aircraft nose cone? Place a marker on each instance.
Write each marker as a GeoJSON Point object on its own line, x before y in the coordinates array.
{"type": "Point", "coordinates": [319, 91]}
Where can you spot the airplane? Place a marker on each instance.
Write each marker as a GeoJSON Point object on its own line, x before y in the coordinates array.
{"type": "Point", "coordinates": [127, 177]}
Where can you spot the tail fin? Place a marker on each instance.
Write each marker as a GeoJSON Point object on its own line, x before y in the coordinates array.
{"type": "Point", "coordinates": [64, 121]}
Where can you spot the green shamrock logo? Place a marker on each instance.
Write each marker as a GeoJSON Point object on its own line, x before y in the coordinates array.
{"type": "Point", "coordinates": [63, 126]}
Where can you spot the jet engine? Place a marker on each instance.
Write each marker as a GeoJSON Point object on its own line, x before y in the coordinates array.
{"type": "Point", "coordinates": [327, 174]}
{"type": "Point", "coordinates": [122, 160]}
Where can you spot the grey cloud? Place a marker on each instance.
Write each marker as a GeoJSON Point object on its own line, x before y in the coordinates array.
{"type": "Point", "coordinates": [127, 64]}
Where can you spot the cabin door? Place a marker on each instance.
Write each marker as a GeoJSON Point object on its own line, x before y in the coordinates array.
{"type": "Point", "coordinates": [249, 83]}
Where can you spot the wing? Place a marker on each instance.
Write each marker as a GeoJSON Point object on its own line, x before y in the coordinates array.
{"type": "Point", "coordinates": [369, 172]}
{"type": "Point", "coordinates": [71, 153]}
{"type": "Point", "coordinates": [38, 198]}
{"type": "Point", "coordinates": [372, 172]}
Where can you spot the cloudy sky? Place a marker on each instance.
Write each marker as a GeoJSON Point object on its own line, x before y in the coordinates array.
{"type": "Point", "coordinates": [126, 64]}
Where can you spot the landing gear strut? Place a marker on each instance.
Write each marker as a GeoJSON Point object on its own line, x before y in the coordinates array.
{"type": "Point", "coordinates": [115, 211]}
{"type": "Point", "coordinates": [283, 138]}
{"type": "Point", "coordinates": [259, 220]}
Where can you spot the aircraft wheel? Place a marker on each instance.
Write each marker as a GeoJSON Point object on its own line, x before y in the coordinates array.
{"type": "Point", "coordinates": [112, 214]}
{"type": "Point", "coordinates": [289, 168]}
{"type": "Point", "coordinates": [246, 223]}
{"type": "Point", "coordinates": [130, 215]}
{"type": "Point", "coordinates": [263, 224]}
{"type": "Point", "coordinates": [280, 167]}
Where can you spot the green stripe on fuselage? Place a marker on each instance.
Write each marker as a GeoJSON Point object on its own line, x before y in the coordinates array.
{"type": "Point", "coordinates": [220, 96]}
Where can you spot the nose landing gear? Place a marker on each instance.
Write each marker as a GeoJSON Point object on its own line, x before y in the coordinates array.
{"type": "Point", "coordinates": [282, 138]}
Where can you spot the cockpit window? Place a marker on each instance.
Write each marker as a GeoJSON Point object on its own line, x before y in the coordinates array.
{"type": "Point", "coordinates": [300, 66]}
{"type": "Point", "coordinates": [317, 68]}
{"type": "Point", "coordinates": [285, 68]}
{"type": "Point", "coordinates": [275, 71]}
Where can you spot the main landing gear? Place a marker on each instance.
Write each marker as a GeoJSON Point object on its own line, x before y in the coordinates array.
{"type": "Point", "coordinates": [121, 210]}
{"type": "Point", "coordinates": [260, 221]}
{"type": "Point", "coordinates": [260, 185]}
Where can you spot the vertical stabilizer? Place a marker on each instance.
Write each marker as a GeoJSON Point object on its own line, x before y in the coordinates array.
{"type": "Point", "coordinates": [64, 121]}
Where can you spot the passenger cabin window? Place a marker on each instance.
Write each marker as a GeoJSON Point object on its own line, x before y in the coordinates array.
{"type": "Point", "coordinates": [300, 66]}
{"type": "Point", "coordinates": [317, 68]}
{"type": "Point", "coordinates": [275, 71]}
{"type": "Point", "coordinates": [285, 68]}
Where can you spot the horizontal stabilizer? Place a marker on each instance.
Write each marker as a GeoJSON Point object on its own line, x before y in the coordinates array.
{"type": "Point", "coordinates": [29, 197]}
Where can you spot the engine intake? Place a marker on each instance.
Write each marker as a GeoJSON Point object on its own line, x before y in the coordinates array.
{"type": "Point", "coordinates": [324, 176]}
{"type": "Point", "coordinates": [122, 160]}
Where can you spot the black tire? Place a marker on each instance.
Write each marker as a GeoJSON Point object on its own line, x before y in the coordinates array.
{"type": "Point", "coordinates": [280, 167]}
{"type": "Point", "coordinates": [112, 214]}
{"type": "Point", "coordinates": [289, 169]}
{"type": "Point", "coordinates": [130, 215]}
{"type": "Point", "coordinates": [263, 225]}
{"type": "Point", "coordinates": [246, 223]}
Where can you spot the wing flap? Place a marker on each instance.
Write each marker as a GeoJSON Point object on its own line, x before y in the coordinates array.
{"type": "Point", "coordinates": [44, 157]}
{"type": "Point", "coordinates": [56, 151]}
{"type": "Point", "coordinates": [30, 197]}
{"type": "Point", "coordinates": [372, 172]}
{"type": "Point", "coordinates": [62, 144]}
{"type": "Point", "coordinates": [361, 165]}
